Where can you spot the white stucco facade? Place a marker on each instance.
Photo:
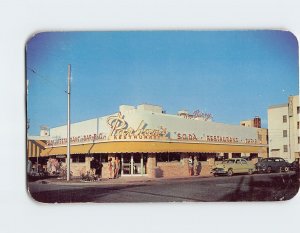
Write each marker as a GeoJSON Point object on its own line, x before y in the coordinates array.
{"type": "Point", "coordinates": [132, 124]}
{"type": "Point", "coordinates": [283, 129]}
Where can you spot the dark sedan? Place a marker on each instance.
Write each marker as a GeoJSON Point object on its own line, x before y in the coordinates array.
{"type": "Point", "coordinates": [274, 164]}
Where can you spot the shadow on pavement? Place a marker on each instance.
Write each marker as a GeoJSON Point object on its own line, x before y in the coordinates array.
{"type": "Point", "coordinates": [279, 188]}
{"type": "Point", "coordinates": [82, 194]}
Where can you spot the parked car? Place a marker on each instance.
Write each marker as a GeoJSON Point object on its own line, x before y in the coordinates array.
{"type": "Point", "coordinates": [274, 164]}
{"type": "Point", "coordinates": [231, 166]}
{"type": "Point", "coordinates": [295, 166]}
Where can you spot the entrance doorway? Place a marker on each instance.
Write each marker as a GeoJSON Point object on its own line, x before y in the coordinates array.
{"type": "Point", "coordinates": [133, 164]}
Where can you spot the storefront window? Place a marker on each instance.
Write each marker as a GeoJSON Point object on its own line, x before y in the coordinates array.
{"type": "Point", "coordinates": [174, 157]}
{"type": "Point", "coordinates": [101, 157]}
{"type": "Point", "coordinates": [236, 155]}
{"type": "Point", "coordinates": [168, 157]}
{"type": "Point", "coordinates": [253, 155]}
{"type": "Point", "coordinates": [202, 156]}
{"type": "Point", "coordinates": [78, 158]}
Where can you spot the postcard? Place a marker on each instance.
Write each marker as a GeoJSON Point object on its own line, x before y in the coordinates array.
{"type": "Point", "coordinates": [162, 116]}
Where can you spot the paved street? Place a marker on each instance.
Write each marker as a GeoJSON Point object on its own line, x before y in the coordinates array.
{"type": "Point", "coordinates": [258, 187]}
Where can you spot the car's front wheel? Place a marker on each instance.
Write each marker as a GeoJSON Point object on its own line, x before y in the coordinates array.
{"type": "Point", "coordinates": [269, 169]}
{"type": "Point", "coordinates": [286, 169]}
{"type": "Point", "coordinates": [250, 172]}
{"type": "Point", "coordinates": [230, 172]}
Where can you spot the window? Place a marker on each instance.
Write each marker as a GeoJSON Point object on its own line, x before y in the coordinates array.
{"type": "Point", "coordinates": [168, 157]}
{"type": "Point", "coordinates": [298, 110]}
{"type": "Point", "coordinates": [229, 161]}
{"type": "Point", "coordinates": [284, 118]}
{"type": "Point", "coordinates": [236, 155]}
{"type": "Point", "coordinates": [174, 157]}
{"type": "Point", "coordinates": [298, 140]}
{"type": "Point", "coordinates": [285, 148]}
{"type": "Point", "coordinates": [78, 158]}
{"type": "Point", "coordinates": [101, 157]}
{"type": "Point", "coordinates": [298, 125]}
{"type": "Point", "coordinates": [284, 133]}
{"type": "Point", "coordinates": [244, 161]}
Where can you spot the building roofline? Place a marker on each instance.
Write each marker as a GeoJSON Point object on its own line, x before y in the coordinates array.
{"type": "Point", "coordinates": [278, 106]}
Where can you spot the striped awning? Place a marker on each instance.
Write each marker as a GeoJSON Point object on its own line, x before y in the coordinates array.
{"type": "Point", "coordinates": [78, 149]}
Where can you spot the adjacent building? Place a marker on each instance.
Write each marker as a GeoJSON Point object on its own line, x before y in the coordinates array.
{"type": "Point", "coordinates": [262, 132]}
{"type": "Point", "coordinates": [150, 142]}
{"type": "Point", "coordinates": [283, 125]}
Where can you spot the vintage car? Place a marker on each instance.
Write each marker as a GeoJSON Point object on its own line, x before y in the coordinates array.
{"type": "Point", "coordinates": [273, 164]}
{"type": "Point", "coordinates": [231, 166]}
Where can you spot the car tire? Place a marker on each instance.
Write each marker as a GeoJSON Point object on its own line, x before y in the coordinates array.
{"type": "Point", "coordinates": [230, 172]}
{"type": "Point", "coordinates": [250, 172]}
{"type": "Point", "coordinates": [269, 170]}
{"type": "Point", "coordinates": [286, 169]}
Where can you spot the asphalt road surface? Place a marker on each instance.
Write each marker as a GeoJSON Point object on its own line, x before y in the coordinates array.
{"type": "Point", "coordinates": [257, 187]}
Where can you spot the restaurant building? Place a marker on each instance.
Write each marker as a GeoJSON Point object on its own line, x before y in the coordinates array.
{"type": "Point", "coordinates": [150, 142]}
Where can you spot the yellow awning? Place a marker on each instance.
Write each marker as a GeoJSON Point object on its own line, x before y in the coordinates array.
{"type": "Point", "coordinates": [153, 147]}
{"type": "Point", "coordinates": [41, 143]}
{"type": "Point", "coordinates": [34, 148]}
{"type": "Point", "coordinates": [157, 147]}
{"type": "Point", "coordinates": [78, 149]}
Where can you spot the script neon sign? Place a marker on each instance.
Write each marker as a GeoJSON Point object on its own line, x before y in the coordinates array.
{"type": "Point", "coordinates": [121, 131]}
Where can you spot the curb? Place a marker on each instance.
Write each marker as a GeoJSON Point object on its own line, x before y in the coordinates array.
{"type": "Point", "coordinates": [118, 182]}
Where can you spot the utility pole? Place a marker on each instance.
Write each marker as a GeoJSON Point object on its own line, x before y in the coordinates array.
{"type": "Point", "coordinates": [68, 126]}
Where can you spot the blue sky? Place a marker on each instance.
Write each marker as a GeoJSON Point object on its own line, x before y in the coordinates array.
{"type": "Point", "coordinates": [234, 75]}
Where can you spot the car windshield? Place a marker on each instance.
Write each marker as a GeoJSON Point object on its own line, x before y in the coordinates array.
{"type": "Point", "coordinates": [229, 161]}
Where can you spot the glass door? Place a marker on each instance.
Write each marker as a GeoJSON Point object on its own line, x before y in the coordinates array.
{"type": "Point", "coordinates": [133, 164]}
{"type": "Point", "coordinates": [137, 165]}
{"type": "Point", "coordinates": [126, 164]}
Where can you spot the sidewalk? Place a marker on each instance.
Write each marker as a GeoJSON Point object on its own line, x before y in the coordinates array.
{"type": "Point", "coordinates": [118, 181]}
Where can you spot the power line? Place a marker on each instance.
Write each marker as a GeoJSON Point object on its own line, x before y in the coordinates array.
{"type": "Point", "coordinates": [45, 78]}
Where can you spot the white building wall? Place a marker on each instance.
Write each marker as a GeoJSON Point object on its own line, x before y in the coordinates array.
{"type": "Point", "coordinates": [201, 129]}
{"type": "Point", "coordinates": [177, 128]}
{"type": "Point", "coordinates": [276, 126]}
{"type": "Point", "coordinates": [149, 107]}
{"type": "Point", "coordinates": [294, 131]}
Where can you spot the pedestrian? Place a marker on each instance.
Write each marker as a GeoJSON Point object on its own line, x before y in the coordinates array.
{"type": "Point", "coordinates": [114, 168]}
{"type": "Point", "coordinates": [96, 165]}
{"type": "Point", "coordinates": [196, 165]}
{"type": "Point", "coordinates": [49, 166]}
{"type": "Point", "coordinates": [110, 168]}
{"type": "Point", "coordinates": [117, 167]}
{"type": "Point", "coordinates": [93, 166]}
{"type": "Point", "coordinates": [53, 166]}
{"type": "Point", "coordinates": [190, 163]}
{"type": "Point", "coordinates": [100, 170]}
